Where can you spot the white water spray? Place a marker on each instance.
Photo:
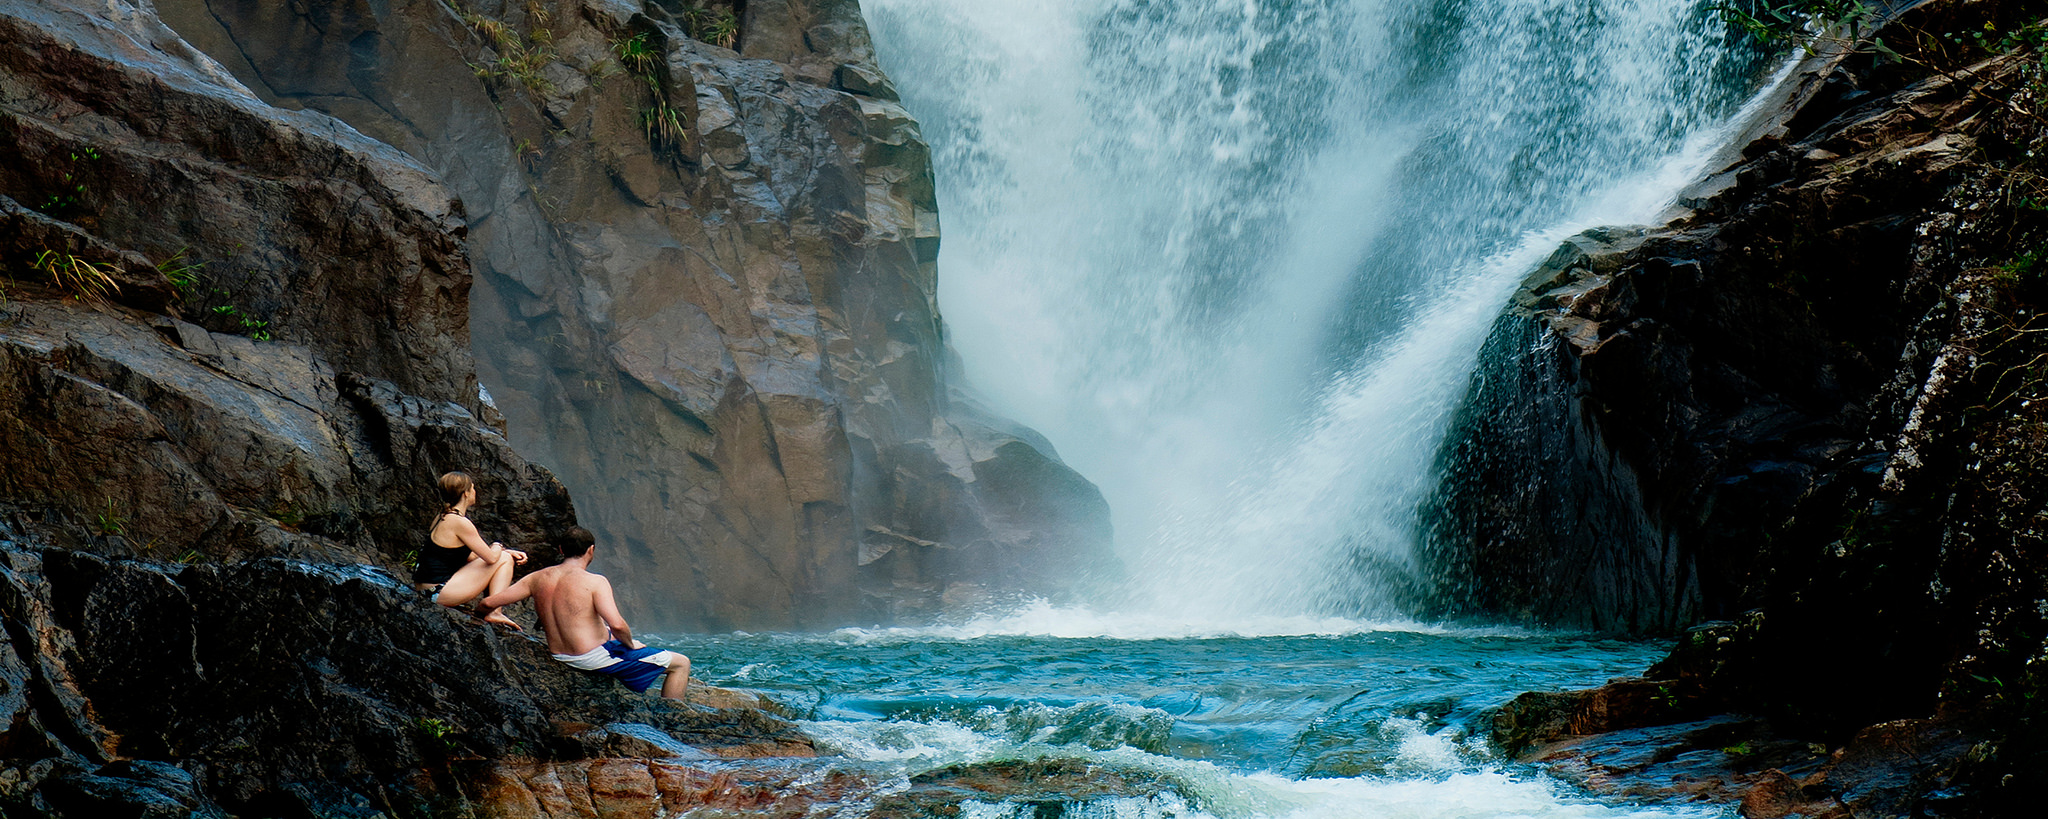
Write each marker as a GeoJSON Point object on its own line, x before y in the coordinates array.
{"type": "Point", "coordinates": [1236, 258]}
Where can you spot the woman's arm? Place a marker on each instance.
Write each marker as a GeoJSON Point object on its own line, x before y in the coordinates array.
{"type": "Point", "coordinates": [465, 531]}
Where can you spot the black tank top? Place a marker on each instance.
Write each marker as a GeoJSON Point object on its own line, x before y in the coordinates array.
{"type": "Point", "coordinates": [438, 562]}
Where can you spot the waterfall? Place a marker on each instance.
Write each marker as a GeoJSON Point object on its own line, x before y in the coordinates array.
{"type": "Point", "coordinates": [1236, 258]}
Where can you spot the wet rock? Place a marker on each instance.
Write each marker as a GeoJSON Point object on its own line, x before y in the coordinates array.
{"type": "Point", "coordinates": [276, 680]}
{"type": "Point", "coordinates": [1804, 407]}
{"type": "Point", "coordinates": [1037, 785]}
{"type": "Point", "coordinates": [1540, 717]}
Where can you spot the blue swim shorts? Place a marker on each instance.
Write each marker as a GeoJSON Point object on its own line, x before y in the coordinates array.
{"type": "Point", "coordinates": [638, 668]}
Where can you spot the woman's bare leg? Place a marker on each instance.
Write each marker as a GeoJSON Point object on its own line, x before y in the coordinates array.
{"type": "Point", "coordinates": [501, 576]}
{"type": "Point", "coordinates": [501, 573]}
{"type": "Point", "coordinates": [476, 579]}
{"type": "Point", "coordinates": [467, 584]}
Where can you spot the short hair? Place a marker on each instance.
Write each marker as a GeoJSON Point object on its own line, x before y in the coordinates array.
{"type": "Point", "coordinates": [452, 486]}
{"type": "Point", "coordinates": [576, 541]}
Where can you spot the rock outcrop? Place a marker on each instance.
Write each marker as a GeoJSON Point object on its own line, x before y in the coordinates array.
{"type": "Point", "coordinates": [704, 293]}
{"type": "Point", "coordinates": [1810, 403]}
{"type": "Point", "coordinates": [281, 687]}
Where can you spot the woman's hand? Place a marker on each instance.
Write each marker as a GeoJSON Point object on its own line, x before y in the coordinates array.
{"type": "Point", "coordinates": [517, 556]}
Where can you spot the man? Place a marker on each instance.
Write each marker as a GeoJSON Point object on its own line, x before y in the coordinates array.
{"type": "Point", "coordinates": [583, 625]}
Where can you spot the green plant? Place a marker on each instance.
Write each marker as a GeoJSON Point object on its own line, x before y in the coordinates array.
{"type": "Point", "coordinates": [527, 153]}
{"type": "Point", "coordinates": [440, 732]}
{"type": "Point", "coordinates": [719, 27]}
{"type": "Point", "coordinates": [108, 521]}
{"type": "Point", "coordinates": [664, 126]}
{"type": "Point", "coordinates": [410, 558]}
{"type": "Point", "coordinates": [84, 280]}
{"type": "Point", "coordinates": [250, 326]}
{"type": "Point", "coordinates": [520, 58]}
{"type": "Point", "coordinates": [1801, 23]}
{"type": "Point", "coordinates": [71, 190]}
{"type": "Point", "coordinates": [189, 557]}
{"type": "Point", "coordinates": [183, 273]}
{"type": "Point", "coordinates": [636, 54]}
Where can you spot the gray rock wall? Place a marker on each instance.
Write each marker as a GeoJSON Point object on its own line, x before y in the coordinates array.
{"type": "Point", "coordinates": [727, 344]}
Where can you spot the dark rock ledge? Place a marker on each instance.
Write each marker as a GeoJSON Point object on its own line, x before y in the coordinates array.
{"type": "Point", "coordinates": [1809, 409]}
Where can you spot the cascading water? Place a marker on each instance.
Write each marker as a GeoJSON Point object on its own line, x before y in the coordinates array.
{"type": "Point", "coordinates": [1236, 258]}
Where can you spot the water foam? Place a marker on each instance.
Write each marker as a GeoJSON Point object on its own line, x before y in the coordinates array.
{"type": "Point", "coordinates": [1438, 780]}
{"type": "Point", "coordinates": [1041, 618]}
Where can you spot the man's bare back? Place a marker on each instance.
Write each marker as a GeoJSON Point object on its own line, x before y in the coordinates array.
{"type": "Point", "coordinates": [583, 624]}
{"type": "Point", "coordinates": [572, 604]}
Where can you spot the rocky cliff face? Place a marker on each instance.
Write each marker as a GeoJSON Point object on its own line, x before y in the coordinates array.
{"type": "Point", "coordinates": [1814, 399]}
{"type": "Point", "coordinates": [704, 293]}
{"type": "Point", "coordinates": [168, 646]}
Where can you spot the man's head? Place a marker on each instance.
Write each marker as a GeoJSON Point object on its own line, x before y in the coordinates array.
{"type": "Point", "coordinates": [576, 542]}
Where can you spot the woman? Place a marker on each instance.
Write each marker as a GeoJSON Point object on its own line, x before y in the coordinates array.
{"type": "Point", "coordinates": [457, 566]}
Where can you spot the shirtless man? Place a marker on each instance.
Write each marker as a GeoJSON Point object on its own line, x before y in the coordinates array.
{"type": "Point", "coordinates": [583, 625]}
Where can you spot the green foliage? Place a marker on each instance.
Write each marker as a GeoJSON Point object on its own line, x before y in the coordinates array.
{"type": "Point", "coordinates": [440, 733]}
{"type": "Point", "coordinates": [520, 58]}
{"type": "Point", "coordinates": [250, 326]}
{"type": "Point", "coordinates": [71, 192]}
{"type": "Point", "coordinates": [84, 280]}
{"type": "Point", "coordinates": [1800, 23]}
{"type": "Point", "coordinates": [719, 27]}
{"type": "Point", "coordinates": [182, 272]}
{"type": "Point", "coordinates": [190, 557]}
{"type": "Point", "coordinates": [664, 127]}
{"type": "Point", "coordinates": [109, 521]}
{"type": "Point", "coordinates": [636, 54]}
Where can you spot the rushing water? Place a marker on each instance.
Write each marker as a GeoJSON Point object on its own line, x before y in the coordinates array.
{"type": "Point", "coordinates": [1288, 718]}
{"type": "Point", "coordinates": [1236, 258]}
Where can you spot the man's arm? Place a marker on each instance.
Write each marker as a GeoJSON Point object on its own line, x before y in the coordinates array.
{"type": "Point", "coordinates": [608, 611]}
{"type": "Point", "coordinates": [512, 594]}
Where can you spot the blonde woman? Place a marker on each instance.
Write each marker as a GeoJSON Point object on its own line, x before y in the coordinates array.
{"type": "Point", "coordinates": [457, 566]}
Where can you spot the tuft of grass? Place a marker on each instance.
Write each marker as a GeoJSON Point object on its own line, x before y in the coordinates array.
{"type": "Point", "coordinates": [719, 27]}
{"type": "Point", "coordinates": [84, 280]}
{"type": "Point", "coordinates": [182, 272]}
{"type": "Point", "coordinates": [664, 126]}
{"type": "Point", "coordinates": [109, 521]}
{"type": "Point", "coordinates": [636, 54]}
{"type": "Point", "coordinates": [190, 557]}
{"type": "Point", "coordinates": [520, 58]}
